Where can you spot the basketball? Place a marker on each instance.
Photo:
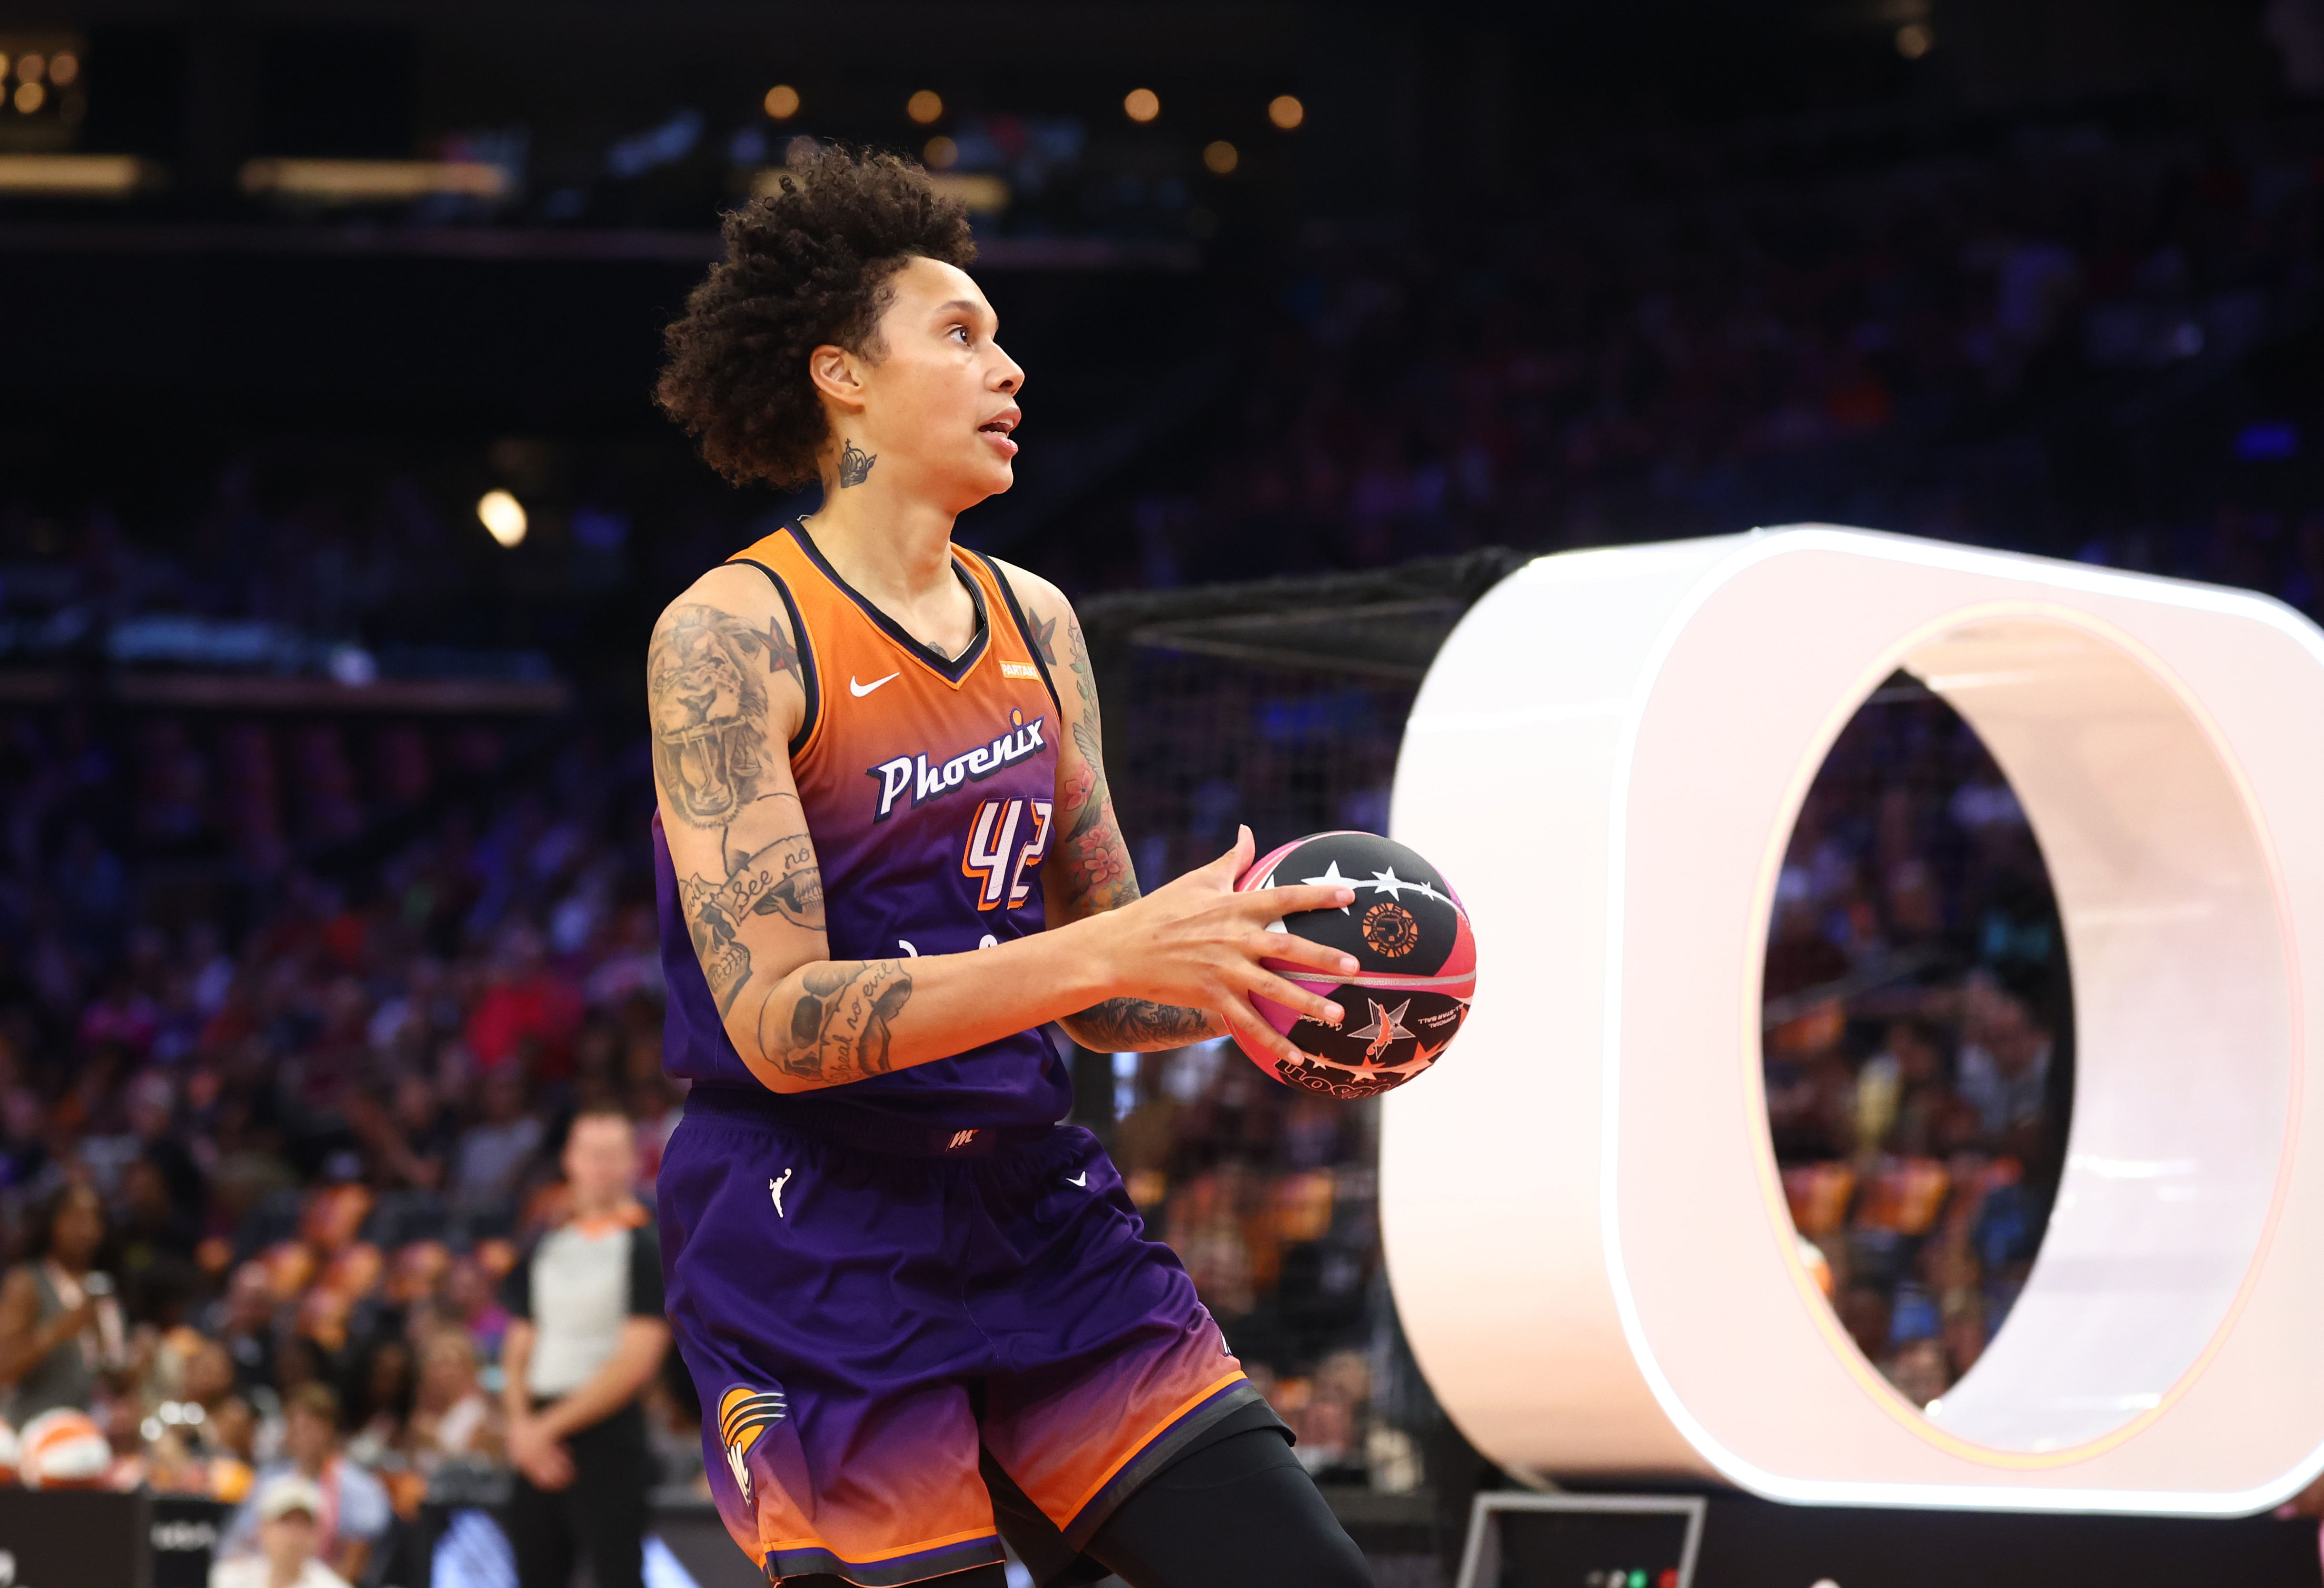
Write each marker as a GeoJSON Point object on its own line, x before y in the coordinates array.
{"type": "Point", "coordinates": [1416, 957]}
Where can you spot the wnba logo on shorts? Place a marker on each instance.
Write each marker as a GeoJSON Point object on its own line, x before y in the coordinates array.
{"type": "Point", "coordinates": [743, 1414]}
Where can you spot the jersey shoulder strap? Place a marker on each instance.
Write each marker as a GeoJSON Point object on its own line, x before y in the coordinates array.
{"type": "Point", "coordinates": [778, 557]}
{"type": "Point", "coordinates": [996, 584]}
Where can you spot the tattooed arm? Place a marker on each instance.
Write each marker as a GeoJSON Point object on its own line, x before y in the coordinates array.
{"type": "Point", "coordinates": [1090, 871]}
{"type": "Point", "coordinates": [722, 686]}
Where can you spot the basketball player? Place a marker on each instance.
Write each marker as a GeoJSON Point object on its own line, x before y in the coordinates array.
{"type": "Point", "coordinates": [919, 1313]}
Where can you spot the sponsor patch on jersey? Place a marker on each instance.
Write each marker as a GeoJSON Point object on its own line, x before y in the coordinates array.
{"type": "Point", "coordinates": [925, 779]}
{"type": "Point", "coordinates": [1019, 669]}
{"type": "Point", "coordinates": [743, 1414]}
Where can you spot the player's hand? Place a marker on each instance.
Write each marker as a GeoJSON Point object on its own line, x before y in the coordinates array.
{"type": "Point", "coordinates": [1197, 943]}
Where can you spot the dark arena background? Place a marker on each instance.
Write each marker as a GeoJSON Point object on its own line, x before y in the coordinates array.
{"type": "Point", "coordinates": [334, 512]}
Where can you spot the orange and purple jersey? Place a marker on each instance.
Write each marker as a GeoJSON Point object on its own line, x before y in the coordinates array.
{"type": "Point", "coordinates": [929, 785]}
{"type": "Point", "coordinates": [880, 1287]}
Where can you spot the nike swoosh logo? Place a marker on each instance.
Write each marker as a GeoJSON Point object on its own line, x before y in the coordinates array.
{"type": "Point", "coordinates": [1080, 1180]}
{"type": "Point", "coordinates": [860, 690]}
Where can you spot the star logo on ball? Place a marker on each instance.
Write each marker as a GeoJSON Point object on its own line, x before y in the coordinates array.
{"type": "Point", "coordinates": [1385, 1028]}
{"type": "Point", "coordinates": [1389, 884]}
{"type": "Point", "coordinates": [1333, 879]}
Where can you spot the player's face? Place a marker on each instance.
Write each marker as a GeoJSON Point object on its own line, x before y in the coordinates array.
{"type": "Point", "coordinates": [940, 406]}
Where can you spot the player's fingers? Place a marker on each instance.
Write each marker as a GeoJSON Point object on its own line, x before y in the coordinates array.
{"type": "Point", "coordinates": [1273, 902]}
{"type": "Point", "coordinates": [1227, 867]}
{"type": "Point", "coordinates": [1266, 984]}
{"type": "Point", "coordinates": [1298, 950]}
{"type": "Point", "coordinates": [1254, 1032]}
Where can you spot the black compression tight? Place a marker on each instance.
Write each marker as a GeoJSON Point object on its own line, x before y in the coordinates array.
{"type": "Point", "coordinates": [1231, 1515]}
{"type": "Point", "coordinates": [1238, 1514]}
{"type": "Point", "coordinates": [1241, 1513]}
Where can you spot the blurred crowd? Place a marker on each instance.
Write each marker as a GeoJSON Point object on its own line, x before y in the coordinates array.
{"type": "Point", "coordinates": [1918, 1070]}
{"type": "Point", "coordinates": [298, 1122]}
{"type": "Point", "coordinates": [2030, 337]}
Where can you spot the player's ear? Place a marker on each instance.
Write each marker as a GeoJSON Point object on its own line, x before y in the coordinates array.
{"type": "Point", "coordinates": [837, 374]}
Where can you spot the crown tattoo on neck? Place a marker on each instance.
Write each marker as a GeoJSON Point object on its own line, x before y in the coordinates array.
{"type": "Point", "coordinates": [854, 465]}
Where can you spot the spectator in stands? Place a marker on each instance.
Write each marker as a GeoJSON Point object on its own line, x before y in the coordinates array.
{"type": "Point", "coordinates": [349, 1510]}
{"type": "Point", "coordinates": [288, 1535]}
{"type": "Point", "coordinates": [245, 1327]}
{"type": "Point", "coordinates": [588, 1337]}
{"type": "Point", "coordinates": [59, 1325]}
{"type": "Point", "coordinates": [496, 1150]}
{"type": "Point", "coordinates": [452, 1417]}
{"type": "Point", "coordinates": [525, 1010]}
{"type": "Point", "coordinates": [2005, 1062]}
{"type": "Point", "coordinates": [389, 1387]}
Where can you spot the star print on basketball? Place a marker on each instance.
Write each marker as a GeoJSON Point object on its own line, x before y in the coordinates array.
{"type": "Point", "coordinates": [1416, 958]}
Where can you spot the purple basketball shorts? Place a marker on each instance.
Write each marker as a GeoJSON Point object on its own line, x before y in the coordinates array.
{"type": "Point", "coordinates": [847, 1316]}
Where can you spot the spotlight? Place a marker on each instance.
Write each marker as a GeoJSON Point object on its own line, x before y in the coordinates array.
{"type": "Point", "coordinates": [30, 97]}
{"type": "Point", "coordinates": [63, 67]}
{"type": "Point", "coordinates": [373, 182]}
{"type": "Point", "coordinates": [1141, 104]}
{"type": "Point", "coordinates": [81, 176]}
{"type": "Point", "coordinates": [1286, 112]}
{"type": "Point", "coordinates": [1915, 40]}
{"type": "Point", "coordinates": [1220, 158]}
{"type": "Point", "coordinates": [782, 102]}
{"type": "Point", "coordinates": [502, 516]}
{"type": "Point", "coordinates": [982, 192]}
{"type": "Point", "coordinates": [941, 154]}
{"type": "Point", "coordinates": [30, 67]}
{"type": "Point", "coordinates": [924, 106]}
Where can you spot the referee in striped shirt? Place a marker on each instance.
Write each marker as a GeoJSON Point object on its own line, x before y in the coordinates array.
{"type": "Point", "coordinates": [587, 1337]}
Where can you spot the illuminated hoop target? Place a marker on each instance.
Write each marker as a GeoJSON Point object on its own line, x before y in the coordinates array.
{"type": "Point", "coordinates": [1584, 1227]}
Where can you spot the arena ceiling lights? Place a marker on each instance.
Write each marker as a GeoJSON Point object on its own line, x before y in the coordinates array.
{"type": "Point", "coordinates": [1584, 1226]}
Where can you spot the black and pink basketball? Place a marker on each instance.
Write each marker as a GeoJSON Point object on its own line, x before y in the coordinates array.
{"type": "Point", "coordinates": [1416, 958]}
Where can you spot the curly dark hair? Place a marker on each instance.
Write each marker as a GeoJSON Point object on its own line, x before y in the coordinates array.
{"type": "Point", "coordinates": [806, 265]}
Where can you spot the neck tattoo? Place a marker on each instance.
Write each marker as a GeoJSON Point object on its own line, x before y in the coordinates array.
{"type": "Point", "coordinates": [854, 465]}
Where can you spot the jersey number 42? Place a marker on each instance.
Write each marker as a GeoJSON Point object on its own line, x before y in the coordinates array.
{"type": "Point", "coordinates": [1006, 840]}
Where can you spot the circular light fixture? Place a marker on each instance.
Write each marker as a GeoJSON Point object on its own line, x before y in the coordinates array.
{"type": "Point", "coordinates": [941, 154]}
{"type": "Point", "coordinates": [63, 68]}
{"type": "Point", "coordinates": [1141, 104]}
{"type": "Point", "coordinates": [1915, 40]}
{"type": "Point", "coordinates": [30, 97]}
{"type": "Point", "coordinates": [1220, 158]}
{"type": "Point", "coordinates": [502, 516]}
{"type": "Point", "coordinates": [30, 67]}
{"type": "Point", "coordinates": [1286, 112]}
{"type": "Point", "coordinates": [782, 102]}
{"type": "Point", "coordinates": [924, 106]}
